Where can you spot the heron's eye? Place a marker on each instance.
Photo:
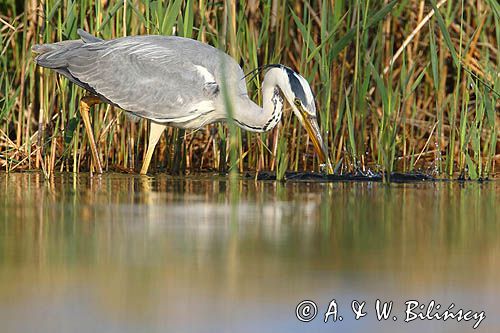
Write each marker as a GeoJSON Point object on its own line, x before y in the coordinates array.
{"type": "Point", "coordinates": [297, 102]}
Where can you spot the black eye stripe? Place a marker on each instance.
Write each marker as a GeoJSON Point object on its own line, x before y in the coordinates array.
{"type": "Point", "coordinates": [296, 86]}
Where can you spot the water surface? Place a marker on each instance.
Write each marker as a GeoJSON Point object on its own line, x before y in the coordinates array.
{"type": "Point", "coordinates": [122, 253]}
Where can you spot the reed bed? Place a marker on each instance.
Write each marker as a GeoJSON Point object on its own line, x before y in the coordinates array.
{"type": "Point", "coordinates": [406, 86]}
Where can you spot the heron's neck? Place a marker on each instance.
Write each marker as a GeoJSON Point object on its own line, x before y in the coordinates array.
{"type": "Point", "coordinates": [252, 117]}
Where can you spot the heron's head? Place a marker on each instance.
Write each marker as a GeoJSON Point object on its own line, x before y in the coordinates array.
{"type": "Point", "coordinates": [298, 93]}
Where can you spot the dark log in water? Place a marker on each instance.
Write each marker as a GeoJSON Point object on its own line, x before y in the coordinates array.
{"type": "Point", "coordinates": [395, 177]}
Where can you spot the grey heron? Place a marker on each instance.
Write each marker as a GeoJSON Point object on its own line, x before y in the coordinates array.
{"type": "Point", "coordinates": [175, 81]}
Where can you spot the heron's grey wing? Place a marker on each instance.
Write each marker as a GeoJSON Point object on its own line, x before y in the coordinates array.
{"type": "Point", "coordinates": [148, 80]}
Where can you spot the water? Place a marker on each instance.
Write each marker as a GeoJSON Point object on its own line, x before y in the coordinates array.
{"type": "Point", "coordinates": [202, 254]}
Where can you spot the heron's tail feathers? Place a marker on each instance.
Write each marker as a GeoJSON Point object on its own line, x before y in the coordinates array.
{"type": "Point", "coordinates": [44, 48]}
{"type": "Point", "coordinates": [54, 55]}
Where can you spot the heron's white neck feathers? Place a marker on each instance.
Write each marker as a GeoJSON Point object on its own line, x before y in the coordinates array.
{"type": "Point", "coordinates": [252, 117]}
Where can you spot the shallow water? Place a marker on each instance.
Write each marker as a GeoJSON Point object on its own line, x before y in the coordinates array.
{"type": "Point", "coordinates": [125, 253]}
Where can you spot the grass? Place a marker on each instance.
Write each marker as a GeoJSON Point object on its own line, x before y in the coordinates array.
{"type": "Point", "coordinates": [402, 86]}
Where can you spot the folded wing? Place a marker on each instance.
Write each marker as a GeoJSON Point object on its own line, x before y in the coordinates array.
{"type": "Point", "coordinates": [147, 75]}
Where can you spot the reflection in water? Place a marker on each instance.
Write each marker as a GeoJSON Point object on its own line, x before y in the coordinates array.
{"type": "Point", "coordinates": [122, 253]}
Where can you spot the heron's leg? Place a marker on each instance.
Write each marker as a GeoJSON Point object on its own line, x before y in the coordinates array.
{"type": "Point", "coordinates": [85, 104]}
{"type": "Point", "coordinates": [154, 135]}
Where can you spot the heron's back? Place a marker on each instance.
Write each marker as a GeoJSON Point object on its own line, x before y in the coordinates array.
{"type": "Point", "coordinates": [163, 78]}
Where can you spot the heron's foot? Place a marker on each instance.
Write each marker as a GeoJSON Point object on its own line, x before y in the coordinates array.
{"type": "Point", "coordinates": [85, 104]}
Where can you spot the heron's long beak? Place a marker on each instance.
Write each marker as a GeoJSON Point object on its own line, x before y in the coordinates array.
{"type": "Point", "coordinates": [312, 128]}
